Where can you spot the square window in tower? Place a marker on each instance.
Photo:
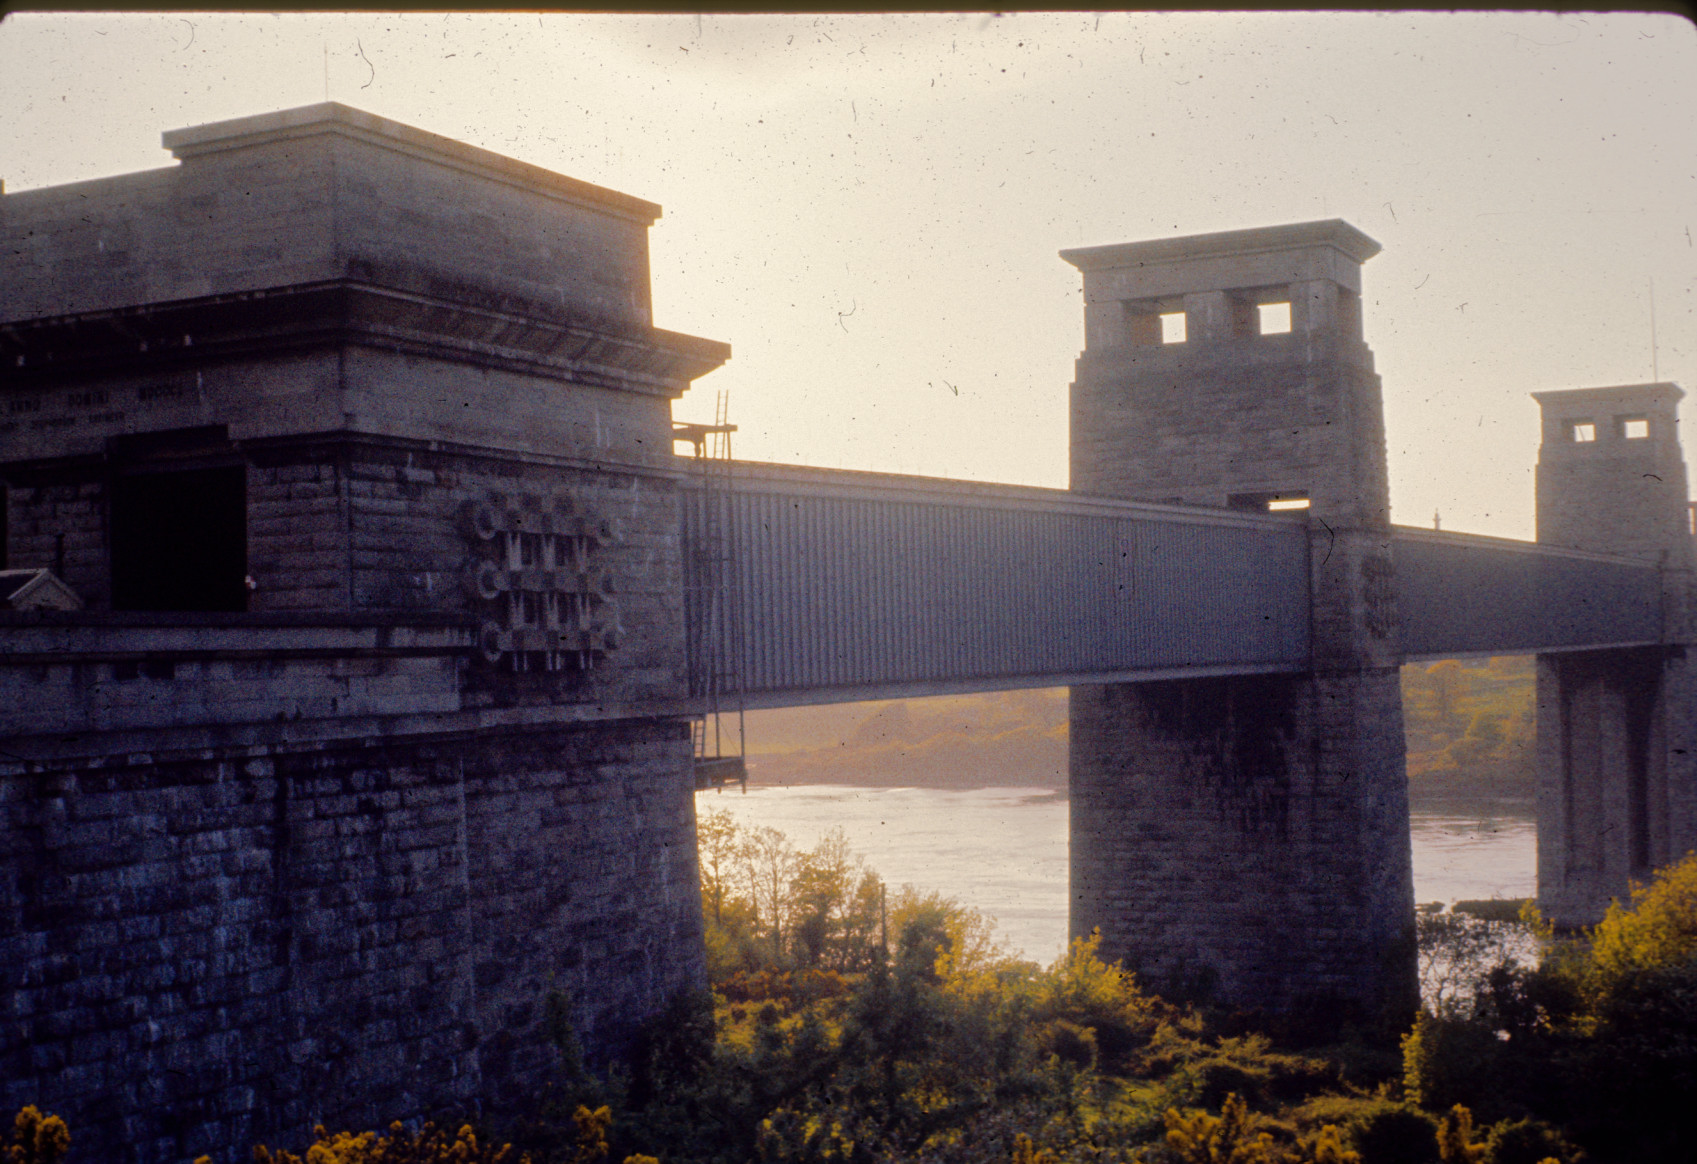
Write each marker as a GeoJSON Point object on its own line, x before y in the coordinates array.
{"type": "Point", "coordinates": [1275, 318]}
{"type": "Point", "coordinates": [1634, 428]}
{"type": "Point", "coordinates": [1581, 432]}
{"type": "Point", "coordinates": [1172, 327]}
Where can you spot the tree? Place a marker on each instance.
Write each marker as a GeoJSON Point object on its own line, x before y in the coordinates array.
{"type": "Point", "coordinates": [824, 902]}
{"type": "Point", "coordinates": [1657, 931]}
{"type": "Point", "coordinates": [717, 843]}
{"type": "Point", "coordinates": [769, 863]}
{"type": "Point", "coordinates": [1446, 680]}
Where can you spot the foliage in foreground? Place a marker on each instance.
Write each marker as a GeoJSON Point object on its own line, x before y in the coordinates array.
{"type": "Point", "coordinates": [430, 1145]}
{"type": "Point", "coordinates": [946, 1050]}
{"type": "Point", "coordinates": [1600, 1039]}
{"type": "Point", "coordinates": [37, 1138]}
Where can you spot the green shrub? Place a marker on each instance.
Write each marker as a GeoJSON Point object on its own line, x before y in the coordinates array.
{"type": "Point", "coordinates": [1447, 1061]}
{"type": "Point", "coordinates": [1658, 930]}
{"type": "Point", "coordinates": [1195, 1137]}
{"type": "Point", "coordinates": [1264, 1077]}
{"type": "Point", "coordinates": [1456, 1144]}
{"type": "Point", "coordinates": [1397, 1134]}
{"type": "Point", "coordinates": [37, 1138]}
{"type": "Point", "coordinates": [1529, 1142]}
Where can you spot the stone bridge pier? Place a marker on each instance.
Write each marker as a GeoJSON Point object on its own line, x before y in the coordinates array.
{"type": "Point", "coordinates": [1246, 837]}
{"type": "Point", "coordinates": [1617, 738]}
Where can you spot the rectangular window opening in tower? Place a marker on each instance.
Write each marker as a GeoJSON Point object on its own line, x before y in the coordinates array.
{"type": "Point", "coordinates": [1634, 428]}
{"type": "Point", "coordinates": [1172, 327]}
{"type": "Point", "coordinates": [1581, 432]}
{"type": "Point", "coordinates": [1274, 318]}
{"type": "Point", "coordinates": [1269, 501]}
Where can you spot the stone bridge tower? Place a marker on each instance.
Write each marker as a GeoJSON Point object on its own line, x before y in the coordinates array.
{"type": "Point", "coordinates": [369, 749]}
{"type": "Point", "coordinates": [1617, 737]}
{"type": "Point", "coordinates": [1247, 836]}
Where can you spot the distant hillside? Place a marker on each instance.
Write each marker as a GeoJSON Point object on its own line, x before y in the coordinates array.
{"type": "Point", "coordinates": [998, 739]}
{"type": "Point", "coordinates": [1470, 730]}
{"type": "Point", "coordinates": [1468, 725]}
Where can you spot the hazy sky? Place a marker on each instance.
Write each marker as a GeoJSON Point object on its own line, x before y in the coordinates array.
{"type": "Point", "coordinates": [868, 208]}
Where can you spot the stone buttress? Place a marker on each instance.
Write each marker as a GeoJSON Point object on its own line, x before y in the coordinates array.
{"type": "Point", "coordinates": [1246, 837]}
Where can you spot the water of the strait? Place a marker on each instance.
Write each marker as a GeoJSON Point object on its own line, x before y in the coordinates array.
{"type": "Point", "coordinates": [1003, 851]}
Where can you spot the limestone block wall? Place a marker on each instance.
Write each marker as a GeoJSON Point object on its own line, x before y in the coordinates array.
{"type": "Point", "coordinates": [1616, 800]}
{"type": "Point", "coordinates": [1246, 839]}
{"type": "Point", "coordinates": [410, 547]}
{"type": "Point", "coordinates": [1611, 475]}
{"type": "Point", "coordinates": [64, 676]}
{"type": "Point", "coordinates": [57, 521]}
{"type": "Point", "coordinates": [313, 193]}
{"type": "Point", "coordinates": [206, 948]}
{"type": "Point", "coordinates": [1260, 414]}
{"type": "Point", "coordinates": [301, 426]}
{"type": "Point", "coordinates": [316, 839]}
{"type": "Point", "coordinates": [81, 415]}
{"type": "Point", "coordinates": [297, 530]}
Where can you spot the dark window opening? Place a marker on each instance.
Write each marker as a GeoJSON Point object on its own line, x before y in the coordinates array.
{"type": "Point", "coordinates": [1150, 322]}
{"type": "Point", "coordinates": [5, 528]}
{"type": "Point", "coordinates": [1142, 326]}
{"type": "Point", "coordinates": [179, 540]}
{"type": "Point", "coordinates": [1269, 501]}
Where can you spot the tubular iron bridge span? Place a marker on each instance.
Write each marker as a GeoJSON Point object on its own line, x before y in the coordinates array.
{"type": "Point", "coordinates": [844, 585]}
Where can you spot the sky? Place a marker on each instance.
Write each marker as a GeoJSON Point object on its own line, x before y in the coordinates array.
{"type": "Point", "coordinates": [868, 209]}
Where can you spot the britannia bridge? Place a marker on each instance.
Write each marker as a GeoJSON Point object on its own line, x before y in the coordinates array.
{"type": "Point", "coordinates": [842, 585]}
{"type": "Point", "coordinates": [360, 618]}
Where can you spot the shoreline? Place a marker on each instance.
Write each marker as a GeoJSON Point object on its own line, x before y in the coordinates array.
{"type": "Point", "coordinates": [1444, 801]}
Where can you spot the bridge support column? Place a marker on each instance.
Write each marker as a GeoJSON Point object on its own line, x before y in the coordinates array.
{"type": "Point", "coordinates": [1617, 729]}
{"type": "Point", "coordinates": [1608, 814]}
{"type": "Point", "coordinates": [1247, 836]}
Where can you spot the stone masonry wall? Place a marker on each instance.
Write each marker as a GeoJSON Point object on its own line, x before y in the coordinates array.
{"type": "Point", "coordinates": [57, 522]}
{"type": "Point", "coordinates": [411, 549]}
{"type": "Point", "coordinates": [1260, 413]}
{"type": "Point", "coordinates": [202, 950]}
{"type": "Point", "coordinates": [297, 530]}
{"type": "Point", "coordinates": [1615, 798]}
{"type": "Point", "coordinates": [242, 212]}
{"type": "Point", "coordinates": [1241, 837]}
